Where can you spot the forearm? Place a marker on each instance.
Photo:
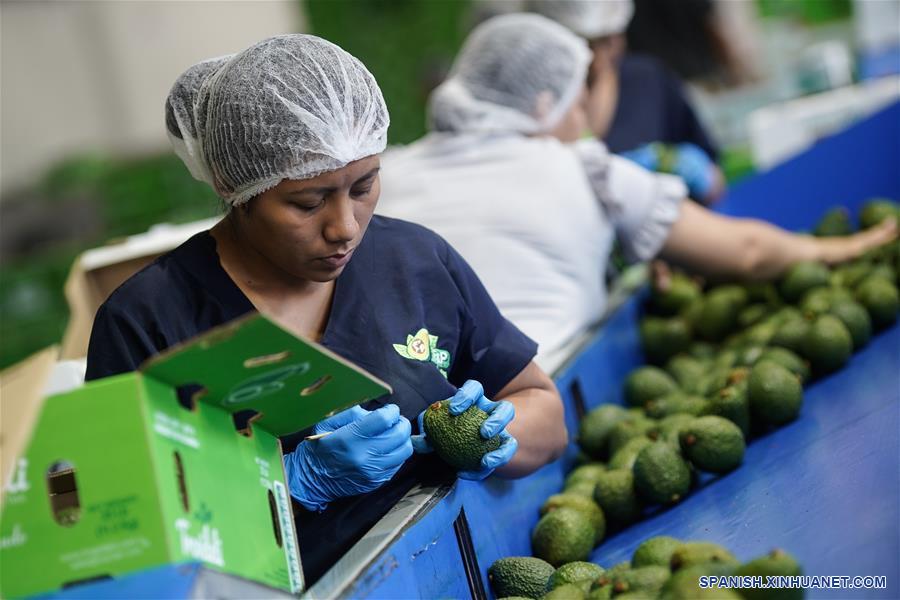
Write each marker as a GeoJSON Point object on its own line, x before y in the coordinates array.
{"type": "Point", "coordinates": [539, 428]}
{"type": "Point", "coordinates": [714, 245]}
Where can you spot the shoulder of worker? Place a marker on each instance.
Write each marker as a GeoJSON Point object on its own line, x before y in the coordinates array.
{"type": "Point", "coordinates": [403, 243]}
{"type": "Point", "coordinates": [168, 280]}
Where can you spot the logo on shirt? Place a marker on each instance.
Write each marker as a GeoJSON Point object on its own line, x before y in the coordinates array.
{"type": "Point", "coordinates": [423, 347]}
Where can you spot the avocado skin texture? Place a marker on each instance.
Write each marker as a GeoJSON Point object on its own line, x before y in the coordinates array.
{"type": "Point", "coordinates": [690, 554]}
{"type": "Point", "coordinates": [524, 576]}
{"type": "Point", "coordinates": [713, 444]}
{"type": "Point", "coordinates": [828, 344]}
{"type": "Point", "coordinates": [457, 439]}
{"type": "Point", "coordinates": [675, 403]}
{"type": "Point", "coordinates": [681, 293]}
{"type": "Point", "coordinates": [646, 383]}
{"type": "Point", "coordinates": [567, 591]}
{"type": "Point", "coordinates": [594, 429]}
{"type": "Point", "coordinates": [856, 319]}
{"type": "Point", "coordinates": [835, 222]}
{"type": "Point", "coordinates": [660, 474]}
{"type": "Point", "coordinates": [732, 403]}
{"type": "Point", "coordinates": [787, 359]}
{"type": "Point", "coordinates": [585, 504]}
{"type": "Point", "coordinates": [655, 551]}
{"type": "Point", "coordinates": [574, 572]}
{"type": "Point", "coordinates": [627, 429]}
{"type": "Point", "coordinates": [561, 536]}
{"type": "Point", "coordinates": [584, 473]}
{"type": "Point", "coordinates": [718, 315]}
{"type": "Point", "coordinates": [648, 580]}
{"type": "Point", "coordinates": [684, 585]}
{"type": "Point", "coordinates": [791, 335]}
{"type": "Point", "coordinates": [664, 338]}
{"type": "Point", "coordinates": [877, 210]}
{"type": "Point", "coordinates": [626, 455]}
{"type": "Point", "coordinates": [669, 428]}
{"type": "Point", "coordinates": [776, 563]}
{"type": "Point", "coordinates": [616, 496]}
{"type": "Point", "coordinates": [774, 393]}
{"type": "Point", "coordinates": [880, 298]}
{"type": "Point", "coordinates": [801, 278]}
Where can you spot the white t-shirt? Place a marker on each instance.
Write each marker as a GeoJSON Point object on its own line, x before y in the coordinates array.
{"type": "Point", "coordinates": [535, 218]}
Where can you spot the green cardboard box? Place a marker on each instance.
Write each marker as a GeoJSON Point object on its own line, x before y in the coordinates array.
{"type": "Point", "coordinates": [119, 476]}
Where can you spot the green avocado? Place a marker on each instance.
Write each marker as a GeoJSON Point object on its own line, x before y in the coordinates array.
{"type": "Point", "coordinates": [828, 344]}
{"type": "Point", "coordinates": [877, 210]}
{"type": "Point", "coordinates": [581, 503]}
{"type": "Point", "coordinates": [856, 319]}
{"type": "Point", "coordinates": [774, 394]}
{"type": "Point", "coordinates": [584, 473]}
{"type": "Point", "coordinates": [787, 359]}
{"type": "Point", "coordinates": [669, 429]}
{"type": "Point", "coordinates": [719, 314]}
{"type": "Point", "coordinates": [594, 429]}
{"type": "Point", "coordinates": [776, 563]}
{"type": "Point", "coordinates": [802, 277]}
{"type": "Point", "coordinates": [626, 429]}
{"type": "Point", "coordinates": [646, 383]}
{"type": "Point", "coordinates": [713, 444]}
{"type": "Point", "coordinates": [457, 438]}
{"type": "Point", "coordinates": [686, 370]}
{"type": "Point", "coordinates": [625, 456]}
{"type": "Point", "coordinates": [681, 293]}
{"type": "Point", "coordinates": [732, 403]}
{"type": "Point", "coordinates": [647, 580]}
{"type": "Point", "coordinates": [574, 572]}
{"type": "Point", "coordinates": [664, 338]}
{"type": "Point", "coordinates": [655, 551]}
{"type": "Point", "coordinates": [690, 554]}
{"type": "Point", "coordinates": [523, 576]}
{"type": "Point", "coordinates": [660, 474]}
{"type": "Point", "coordinates": [616, 496]}
{"type": "Point", "coordinates": [563, 535]}
{"type": "Point", "coordinates": [881, 300]}
{"type": "Point", "coordinates": [676, 402]}
{"type": "Point", "coordinates": [567, 591]}
{"type": "Point", "coordinates": [835, 222]}
{"type": "Point", "coordinates": [684, 584]}
{"type": "Point", "coordinates": [752, 315]}
{"type": "Point", "coordinates": [791, 335]}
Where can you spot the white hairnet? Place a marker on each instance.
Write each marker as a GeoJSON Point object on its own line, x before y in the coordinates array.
{"type": "Point", "coordinates": [516, 72]}
{"type": "Point", "coordinates": [289, 107]}
{"type": "Point", "coordinates": [180, 118]}
{"type": "Point", "coordinates": [588, 18]}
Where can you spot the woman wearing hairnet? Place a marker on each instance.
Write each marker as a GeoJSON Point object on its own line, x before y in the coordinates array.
{"type": "Point", "coordinates": [501, 178]}
{"type": "Point", "coordinates": [288, 133]}
{"type": "Point", "coordinates": [636, 106]}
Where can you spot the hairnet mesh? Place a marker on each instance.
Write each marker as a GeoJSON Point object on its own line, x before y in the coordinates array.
{"type": "Point", "coordinates": [289, 107]}
{"type": "Point", "coordinates": [588, 18]}
{"type": "Point", "coordinates": [516, 72]}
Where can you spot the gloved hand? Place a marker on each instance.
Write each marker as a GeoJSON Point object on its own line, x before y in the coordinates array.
{"type": "Point", "coordinates": [687, 161]}
{"type": "Point", "coordinates": [499, 416]}
{"type": "Point", "coordinates": [696, 168]}
{"type": "Point", "coordinates": [365, 450]}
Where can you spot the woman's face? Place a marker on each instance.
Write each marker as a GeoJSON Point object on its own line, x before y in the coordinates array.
{"type": "Point", "coordinates": [309, 228]}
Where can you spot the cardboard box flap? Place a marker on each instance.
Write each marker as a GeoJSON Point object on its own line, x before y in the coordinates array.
{"type": "Point", "coordinates": [252, 364]}
{"type": "Point", "coordinates": [21, 398]}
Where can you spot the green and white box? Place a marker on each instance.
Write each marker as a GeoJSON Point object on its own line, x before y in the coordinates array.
{"type": "Point", "coordinates": [119, 476]}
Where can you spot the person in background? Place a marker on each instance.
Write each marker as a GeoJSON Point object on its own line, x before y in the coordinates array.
{"type": "Point", "coordinates": [288, 133]}
{"type": "Point", "coordinates": [506, 177]}
{"type": "Point", "coordinates": [636, 105]}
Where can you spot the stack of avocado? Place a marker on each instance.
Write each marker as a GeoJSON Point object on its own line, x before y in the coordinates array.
{"type": "Point", "coordinates": [661, 567]}
{"type": "Point", "coordinates": [728, 362]}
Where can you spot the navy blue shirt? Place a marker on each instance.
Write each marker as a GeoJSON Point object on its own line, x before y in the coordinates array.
{"type": "Point", "coordinates": [402, 280]}
{"type": "Point", "coordinates": [653, 107]}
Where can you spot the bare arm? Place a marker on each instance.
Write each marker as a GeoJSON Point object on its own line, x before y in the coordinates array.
{"type": "Point", "coordinates": [538, 426]}
{"type": "Point", "coordinates": [718, 246]}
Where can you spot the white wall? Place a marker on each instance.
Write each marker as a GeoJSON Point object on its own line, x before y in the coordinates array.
{"type": "Point", "coordinates": [84, 75]}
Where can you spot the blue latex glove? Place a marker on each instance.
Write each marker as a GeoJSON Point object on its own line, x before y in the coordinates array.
{"type": "Point", "coordinates": [499, 416]}
{"type": "Point", "coordinates": [646, 156]}
{"type": "Point", "coordinates": [696, 168]}
{"type": "Point", "coordinates": [365, 450]}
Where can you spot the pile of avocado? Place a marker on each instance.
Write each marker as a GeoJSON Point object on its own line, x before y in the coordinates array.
{"type": "Point", "coordinates": [729, 362]}
{"type": "Point", "coordinates": [661, 567]}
